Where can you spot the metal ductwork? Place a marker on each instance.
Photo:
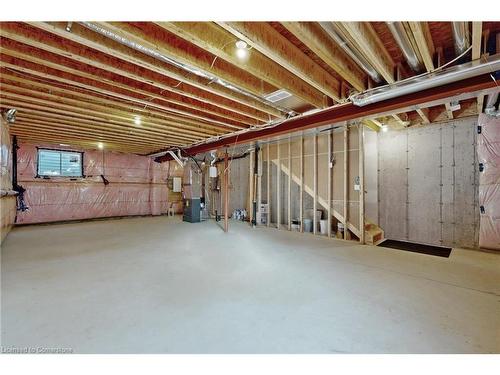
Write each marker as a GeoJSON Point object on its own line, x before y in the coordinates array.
{"type": "Point", "coordinates": [350, 50]}
{"type": "Point", "coordinates": [399, 33]}
{"type": "Point", "coordinates": [460, 31]}
{"type": "Point", "coordinates": [489, 65]}
{"type": "Point", "coordinates": [9, 115]}
{"type": "Point", "coordinates": [188, 68]}
{"type": "Point", "coordinates": [491, 102]}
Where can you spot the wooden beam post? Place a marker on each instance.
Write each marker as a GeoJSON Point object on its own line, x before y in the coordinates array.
{"type": "Point", "coordinates": [315, 182]}
{"type": "Point", "coordinates": [259, 184]}
{"type": "Point", "coordinates": [251, 186]}
{"type": "Point", "coordinates": [361, 184]}
{"type": "Point", "coordinates": [346, 175]}
{"type": "Point", "coordinates": [289, 183]}
{"type": "Point", "coordinates": [226, 192]}
{"type": "Point", "coordinates": [268, 187]}
{"type": "Point", "coordinates": [278, 188]}
{"type": "Point", "coordinates": [301, 198]}
{"type": "Point", "coordinates": [330, 167]}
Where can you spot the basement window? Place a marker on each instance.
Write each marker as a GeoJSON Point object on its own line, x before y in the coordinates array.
{"type": "Point", "coordinates": [57, 163]}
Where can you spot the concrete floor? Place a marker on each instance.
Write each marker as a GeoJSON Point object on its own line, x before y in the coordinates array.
{"type": "Point", "coordinates": [157, 285]}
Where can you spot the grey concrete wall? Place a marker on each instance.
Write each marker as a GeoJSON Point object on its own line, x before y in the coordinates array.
{"type": "Point", "coordinates": [427, 184]}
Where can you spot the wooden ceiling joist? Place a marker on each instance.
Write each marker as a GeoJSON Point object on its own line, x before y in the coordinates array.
{"type": "Point", "coordinates": [142, 135]}
{"type": "Point", "coordinates": [26, 57]}
{"type": "Point", "coordinates": [183, 122]}
{"type": "Point", "coordinates": [25, 100]}
{"type": "Point", "coordinates": [29, 96]}
{"type": "Point", "coordinates": [423, 39]}
{"type": "Point", "coordinates": [157, 39]}
{"type": "Point", "coordinates": [147, 99]}
{"type": "Point", "coordinates": [318, 41]}
{"type": "Point", "coordinates": [78, 142]}
{"type": "Point", "coordinates": [44, 128]}
{"type": "Point", "coordinates": [364, 37]}
{"type": "Point", "coordinates": [150, 71]}
{"type": "Point", "coordinates": [97, 42]}
{"type": "Point", "coordinates": [268, 41]}
{"type": "Point", "coordinates": [218, 41]}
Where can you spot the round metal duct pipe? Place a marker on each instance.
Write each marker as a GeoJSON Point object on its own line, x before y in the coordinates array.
{"type": "Point", "coordinates": [427, 81]}
{"type": "Point", "coordinates": [460, 31]}
{"type": "Point", "coordinates": [399, 33]}
{"type": "Point", "coordinates": [350, 51]}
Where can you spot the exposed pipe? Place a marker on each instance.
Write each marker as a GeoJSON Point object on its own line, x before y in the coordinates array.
{"type": "Point", "coordinates": [399, 33]}
{"type": "Point", "coordinates": [350, 50]}
{"type": "Point", "coordinates": [427, 81]}
{"type": "Point", "coordinates": [191, 69]}
{"type": "Point", "coordinates": [255, 177]}
{"type": "Point", "coordinates": [491, 102]}
{"type": "Point", "coordinates": [460, 30]}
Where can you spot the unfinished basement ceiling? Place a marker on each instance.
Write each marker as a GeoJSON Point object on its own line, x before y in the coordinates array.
{"type": "Point", "coordinates": [143, 87]}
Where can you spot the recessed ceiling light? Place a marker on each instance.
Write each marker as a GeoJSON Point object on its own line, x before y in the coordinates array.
{"type": "Point", "coordinates": [137, 120]}
{"type": "Point", "coordinates": [100, 145]}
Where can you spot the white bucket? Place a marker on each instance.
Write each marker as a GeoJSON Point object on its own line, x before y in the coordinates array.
{"type": "Point", "coordinates": [323, 224]}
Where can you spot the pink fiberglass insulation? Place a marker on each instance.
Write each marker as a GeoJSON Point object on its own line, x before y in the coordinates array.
{"type": "Point", "coordinates": [137, 186]}
{"type": "Point", "coordinates": [488, 152]}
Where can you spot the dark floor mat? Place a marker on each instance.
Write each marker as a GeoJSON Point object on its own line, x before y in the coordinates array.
{"type": "Point", "coordinates": [417, 248]}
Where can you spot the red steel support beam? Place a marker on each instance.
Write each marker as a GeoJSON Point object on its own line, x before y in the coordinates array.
{"type": "Point", "coordinates": [347, 112]}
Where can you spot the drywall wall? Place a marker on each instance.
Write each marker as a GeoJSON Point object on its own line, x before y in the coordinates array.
{"type": "Point", "coordinates": [488, 152]}
{"type": "Point", "coordinates": [7, 201]}
{"type": "Point", "coordinates": [137, 186]}
{"type": "Point", "coordinates": [427, 183]}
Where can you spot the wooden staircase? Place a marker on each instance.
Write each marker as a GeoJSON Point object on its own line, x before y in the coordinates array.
{"type": "Point", "coordinates": [374, 235]}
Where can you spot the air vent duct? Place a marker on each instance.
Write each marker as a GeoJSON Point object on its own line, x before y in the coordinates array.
{"type": "Point", "coordinates": [277, 96]}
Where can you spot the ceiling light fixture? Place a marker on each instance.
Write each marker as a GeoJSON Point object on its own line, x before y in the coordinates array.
{"type": "Point", "coordinates": [69, 25]}
{"type": "Point", "coordinates": [241, 49]}
{"type": "Point", "coordinates": [100, 145]}
{"type": "Point", "coordinates": [63, 144]}
{"type": "Point", "coordinates": [137, 120]}
{"type": "Point", "coordinates": [9, 115]}
{"type": "Point", "coordinates": [385, 128]}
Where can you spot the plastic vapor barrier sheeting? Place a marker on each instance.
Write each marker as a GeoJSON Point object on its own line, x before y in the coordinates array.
{"type": "Point", "coordinates": [488, 152]}
{"type": "Point", "coordinates": [135, 185]}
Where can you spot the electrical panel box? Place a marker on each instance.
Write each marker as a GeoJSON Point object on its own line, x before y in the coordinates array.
{"type": "Point", "coordinates": [177, 185]}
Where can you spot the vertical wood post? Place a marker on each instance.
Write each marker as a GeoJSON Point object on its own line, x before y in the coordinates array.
{"type": "Point", "coordinates": [289, 183]}
{"type": "Point", "coordinates": [251, 180]}
{"type": "Point", "coordinates": [278, 189]}
{"type": "Point", "coordinates": [329, 197]}
{"type": "Point", "coordinates": [301, 198]}
{"type": "Point", "coordinates": [315, 182]}
{"type": "Point", "coordinates": [259, 183]}
{"type": "Point", "coordinates": [361, 184]}
{"type": "Point", "coordinates": [346, 175]}
{"type": "Point", "coordinates": [268, 187]}
{"type": "Point", "coordinates": [226, 192]}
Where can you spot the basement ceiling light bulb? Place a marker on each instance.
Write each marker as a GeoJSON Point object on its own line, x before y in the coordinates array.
{"type": "Point", "coordinates": [241, 53]}
{"type": "Point", "coordinates": [240, 44]}
{"type": "Point", "coordinates": [137, 120]}
{"type": "Point", "coordinates": [100, 145]}
{"type": "Point", "coordinates": [385, 128]}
